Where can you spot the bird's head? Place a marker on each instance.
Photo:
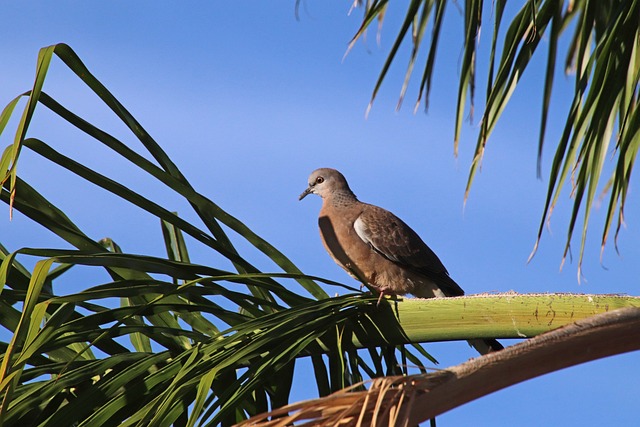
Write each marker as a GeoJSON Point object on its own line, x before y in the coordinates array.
{"type": "Point", "coordinates": [324, 182]}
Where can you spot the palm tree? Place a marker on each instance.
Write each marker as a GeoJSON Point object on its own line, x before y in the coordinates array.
{"type": "Point", "coordinates": [167, 341]}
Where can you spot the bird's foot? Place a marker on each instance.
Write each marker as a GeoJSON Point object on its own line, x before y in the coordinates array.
{"type": "Point", "coordinates": [380, 298]}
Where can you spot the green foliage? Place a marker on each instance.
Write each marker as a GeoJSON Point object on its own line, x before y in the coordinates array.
{"type": "Point", "coordinates": [164, 341]}
{"type": "Point", "coordinates": [603, 56]}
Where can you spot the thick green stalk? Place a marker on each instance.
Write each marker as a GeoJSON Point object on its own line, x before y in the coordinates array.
{"type": "Point", "coordinates": [488, 316]}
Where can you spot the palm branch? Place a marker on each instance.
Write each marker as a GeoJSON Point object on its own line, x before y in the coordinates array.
{"type": "Point", "coordinates": [602, 58]}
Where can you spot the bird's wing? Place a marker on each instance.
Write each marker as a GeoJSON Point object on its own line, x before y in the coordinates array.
{"type": "Point", "coordinates": [396, 241]}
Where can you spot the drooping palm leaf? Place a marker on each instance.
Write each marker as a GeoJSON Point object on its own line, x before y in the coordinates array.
{"type": "Point", "coordinates": [602, 55]}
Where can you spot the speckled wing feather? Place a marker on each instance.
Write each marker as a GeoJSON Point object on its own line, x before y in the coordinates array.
{"type": "Point", "coordinates": [396, 241]}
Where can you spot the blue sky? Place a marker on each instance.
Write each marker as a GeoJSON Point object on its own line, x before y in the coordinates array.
{"type": "Point", "coordinates": [248, 100]}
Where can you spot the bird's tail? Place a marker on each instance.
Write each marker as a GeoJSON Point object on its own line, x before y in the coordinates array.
{"type": "Point", "coordinates": [484, 346]}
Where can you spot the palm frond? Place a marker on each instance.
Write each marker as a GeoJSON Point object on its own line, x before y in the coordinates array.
{"type": "Point", "coordinates": [165, 340]}
{"type": "Point", "coordinates": [603, 56]}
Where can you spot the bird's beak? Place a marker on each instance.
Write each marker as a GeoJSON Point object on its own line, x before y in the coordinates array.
{"type": "Point", "coordinates": [305, 193]}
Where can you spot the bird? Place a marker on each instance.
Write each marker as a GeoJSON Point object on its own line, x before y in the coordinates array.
{"type": "Point", "coordinates": [375, 246]}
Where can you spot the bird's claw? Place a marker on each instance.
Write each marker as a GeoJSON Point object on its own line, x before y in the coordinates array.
{"type": "Point", "coordinates": [380, 298]}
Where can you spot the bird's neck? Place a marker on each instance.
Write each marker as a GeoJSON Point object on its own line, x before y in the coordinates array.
{"type": "Point", "coordinates": [342, 198]}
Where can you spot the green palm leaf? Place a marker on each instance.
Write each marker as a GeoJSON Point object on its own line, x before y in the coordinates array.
{"type": "Point", "coordinates": [165, 340]}
{"type": "Point", "coordinates": [603, 54]}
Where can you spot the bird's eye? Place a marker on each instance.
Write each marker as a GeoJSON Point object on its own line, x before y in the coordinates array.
{"type": "Point", "coordinates": [319, 180]}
